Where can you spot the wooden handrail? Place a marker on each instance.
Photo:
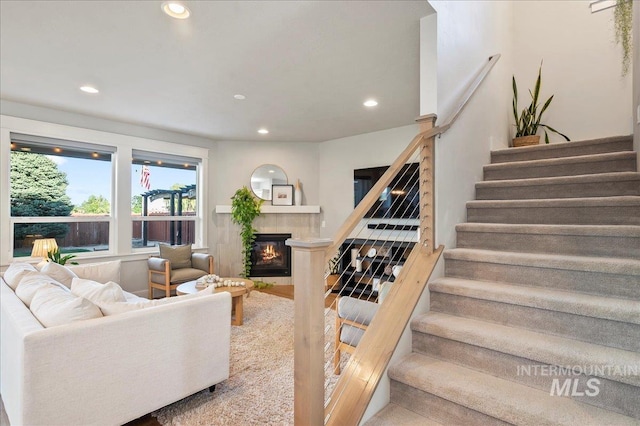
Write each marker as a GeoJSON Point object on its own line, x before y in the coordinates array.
{"type": "Point", "coordinates": [363, 207]}
{"type": "Point", "coordinates": [369, 361]}
{"type": "Point", "coordinates": [464, 99]}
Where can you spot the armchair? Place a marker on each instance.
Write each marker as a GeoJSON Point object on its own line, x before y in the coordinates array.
{"type": "Point", "coordinates": [163, 276]}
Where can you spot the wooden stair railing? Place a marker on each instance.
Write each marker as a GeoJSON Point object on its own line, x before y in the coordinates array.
{"type": "Point", "coordinates": [363, 372]}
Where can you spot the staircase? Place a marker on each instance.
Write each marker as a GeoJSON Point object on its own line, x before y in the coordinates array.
{"type": "Point", "coordinates": [546, 274]}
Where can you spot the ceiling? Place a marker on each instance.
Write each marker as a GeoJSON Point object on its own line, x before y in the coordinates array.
{"type": "Point", "coordinates": [305, 67]}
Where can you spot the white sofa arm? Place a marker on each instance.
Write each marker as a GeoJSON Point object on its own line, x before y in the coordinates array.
{"type": "Point", "coordinates": [114, 369]}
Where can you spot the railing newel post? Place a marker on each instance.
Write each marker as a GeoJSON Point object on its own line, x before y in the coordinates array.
{"type": "Point", "coordinates": [308, 258]}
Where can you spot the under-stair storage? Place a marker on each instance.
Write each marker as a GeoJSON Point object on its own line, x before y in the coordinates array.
{"type": "Point", "coordinates": [368, 263]}
{"type": "Point", "coordinates": [537, 320]}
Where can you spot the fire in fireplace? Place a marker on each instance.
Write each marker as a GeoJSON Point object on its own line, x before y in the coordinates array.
{"type": "Point", "coordinates": [270, 256]}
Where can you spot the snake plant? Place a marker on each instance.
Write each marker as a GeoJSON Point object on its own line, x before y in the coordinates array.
{"type": "Point", "coordinates": [528, 121]}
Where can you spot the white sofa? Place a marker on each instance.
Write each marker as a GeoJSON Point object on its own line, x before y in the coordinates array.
{"type": "Point", "coordinates": [113, 369]}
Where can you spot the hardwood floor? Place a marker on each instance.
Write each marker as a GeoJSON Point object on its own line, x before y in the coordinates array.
{"type": "Point", "coordinates": [148, 420]}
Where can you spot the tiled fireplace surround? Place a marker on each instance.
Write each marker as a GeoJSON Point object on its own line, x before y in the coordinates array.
{"type": "Point", "coordinates": [228, 249]}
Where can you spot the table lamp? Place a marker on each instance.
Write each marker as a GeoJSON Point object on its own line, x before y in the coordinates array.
{"type": "Point", "coordinates": [43, 246]}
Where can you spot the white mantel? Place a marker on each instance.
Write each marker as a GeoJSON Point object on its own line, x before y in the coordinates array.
{"type": "Point", "coordinates": [275, 209]}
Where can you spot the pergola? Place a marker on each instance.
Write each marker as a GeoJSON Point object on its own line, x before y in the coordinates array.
{"type": "Point", "coordinates": [175, 197]}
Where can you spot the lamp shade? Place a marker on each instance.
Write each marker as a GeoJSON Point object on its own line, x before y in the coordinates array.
{"type": "Point", "coordinates": [43, 246]}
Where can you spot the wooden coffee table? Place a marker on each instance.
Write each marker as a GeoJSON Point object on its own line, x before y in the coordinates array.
{"type": "Point", "coordinates": [236, 295]}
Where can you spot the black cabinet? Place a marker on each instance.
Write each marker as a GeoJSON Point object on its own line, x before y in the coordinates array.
{"type": "Point", "coordinates": [365, 264]}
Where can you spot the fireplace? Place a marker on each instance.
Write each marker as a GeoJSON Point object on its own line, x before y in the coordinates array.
{"type": "Point", "coordinates": [270, 256]}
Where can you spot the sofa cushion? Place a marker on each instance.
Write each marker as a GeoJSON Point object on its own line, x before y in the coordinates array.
{"type": "Point", "coordinates": [32, 282]}
{"type": "Point", "coordinates": [179, 256]}
{"type": "Point", "coordinates": [133, 305]}
{"type": "Point", "coordinates": [101, 272]}
{"type": "Point", "coordinates": [53, 306]}
{"type": "Point", "coordinates": [15, 272]}
{"type": "Point", "coordinates": [59, 273]}
{"type": "Point", "coordinates": [97, 293]}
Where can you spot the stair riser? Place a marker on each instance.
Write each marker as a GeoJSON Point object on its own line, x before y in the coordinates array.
{"type": "Point", "coordinates": [560, 169]}
{"type": "Point", "coordinates": [577, 190]}
{"type": "Point", "coordinates": [570, 150]}
{"type": "Point", "coordinates": [438, 409]}
{"type": "Point", "coordinates": [588, 329]}
{"type": "Point", "coordinates": [581, 245]}
{"type": "Point", "coordinates": [580, 215]}
{"type": "Point", "coordinates": [613, 285]}
{"type": "Point", "coordinates": [614, 396]}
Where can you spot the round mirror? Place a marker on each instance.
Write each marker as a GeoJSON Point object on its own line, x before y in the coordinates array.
{"type": "Point", "coordinates": [263, 177]}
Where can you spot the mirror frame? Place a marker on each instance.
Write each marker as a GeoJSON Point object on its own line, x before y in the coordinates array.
{"type": "Point", "coordinates": [280, 175]}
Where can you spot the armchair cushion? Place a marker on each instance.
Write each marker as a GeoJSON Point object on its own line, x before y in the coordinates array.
{"type": "Point", "coordinates": [179, 256]}
{"type": "Point", "coordinates": [179, 276]}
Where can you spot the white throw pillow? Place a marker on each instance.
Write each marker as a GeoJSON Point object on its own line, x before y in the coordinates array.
{"type": "Point", "coordinates": [101, 272]}
{"type": "Point", "coordinates": [134, 305]}
{"type": "Point", "coordinates": [32, 282]}
{"type": "Point", "coordinates": [59, 272]}
{"type": "Point", "coordinates": [97, 293]}
{"type": "Point", "coordinates": [15, 272]}
{"type": "Point", "coordinates": [53, 306]}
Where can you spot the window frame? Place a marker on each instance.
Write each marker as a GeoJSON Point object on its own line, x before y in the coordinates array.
{"type": "Point", "coordinates": [120, 218]}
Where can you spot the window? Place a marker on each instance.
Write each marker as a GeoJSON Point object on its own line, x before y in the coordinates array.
{"type": "Point", "coordinates": [164, 202]}
{"type": "Point", "coordinates": [60, 189]}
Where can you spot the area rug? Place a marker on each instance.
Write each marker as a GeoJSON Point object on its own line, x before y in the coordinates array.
{"type": "Point", "coordinates": [259, 390]}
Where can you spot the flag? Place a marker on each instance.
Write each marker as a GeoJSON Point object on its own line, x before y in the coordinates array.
{"type": "Point", "coordinates": [144, 178]}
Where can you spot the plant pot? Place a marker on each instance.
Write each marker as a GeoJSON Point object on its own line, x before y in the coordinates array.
{"type": "Point", "coordinates": [332, 281]}
{"type": "Point", "coordinates": [526, 140]}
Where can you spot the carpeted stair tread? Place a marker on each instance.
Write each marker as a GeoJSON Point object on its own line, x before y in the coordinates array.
{"type": "Point", "coordinates": [539, 260]}
{"type": "Point", "coordinates": [564, 149]}
{"type": "Point", "coordinates": [618, 210]}
{"type": "Point", "coordinates": [565, 166]}
{"type": "Point", "coordinates": [590, 185]}
{"type": "Point", "coordinates": [554, 300]}
{"type": "Point", "coordinates": [618, 201]}
{"type": "Point", "coordinates": [395, 415]}
{"type": "Point", "coordinates": [631, 231]}
{"type": "Point", "coordinates": [498, 398]}
{"type": "Point", "coordinates": [584, 240]}
{"type": "Point", "coordinates": [532, 345]}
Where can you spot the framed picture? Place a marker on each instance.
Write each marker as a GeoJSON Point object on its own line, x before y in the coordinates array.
{"type": "Point", "coordinates": [282, 195]}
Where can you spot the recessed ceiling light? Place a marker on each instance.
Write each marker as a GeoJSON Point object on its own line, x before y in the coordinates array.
{"type": "Point", "coordinates": [263, 131]}
{"type": "Point", "coordinates": [370, 103]}
{"type": "Point", "coordinates": [175, 10]}
{"type": "Point", "coordinates": [240, 97]}
{"type": "Point", "coordinates": [89, 89]}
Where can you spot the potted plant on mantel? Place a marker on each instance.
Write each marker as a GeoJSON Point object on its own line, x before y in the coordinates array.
{"type": "Point", "coordinates": [244, 209]}
{"type": "Point", "coordinates": [529, 120]}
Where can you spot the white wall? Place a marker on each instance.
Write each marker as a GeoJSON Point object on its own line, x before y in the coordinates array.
{"type": "Point", "coordinates": [468, 33]}
{"type": "Point", "coordinates": [582, 67]}
{"type": "Point", "coordinates": [636, 77]}
{"type": "Point", "coordinates": [235, 161]}
{"type": "Point", "coordinates": [339, 157]}
{"type": "Point", "coordinates": [428, 64]}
